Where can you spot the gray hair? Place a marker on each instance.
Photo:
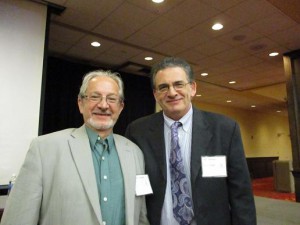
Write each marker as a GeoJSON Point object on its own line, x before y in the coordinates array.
{"type": "Point", "coordinates": [172, 62]}
{"type": "Point", "coordinates": [101, 73]}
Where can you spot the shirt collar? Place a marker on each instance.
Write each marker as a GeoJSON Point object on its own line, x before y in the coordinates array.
{"type": "Point", "coordinates": [183, 120]}
{"type": "Point", "coordinates": [93, 138]}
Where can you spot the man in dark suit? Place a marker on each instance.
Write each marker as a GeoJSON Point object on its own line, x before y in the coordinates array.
{"type": "Point", "coordinates": [216, 187]}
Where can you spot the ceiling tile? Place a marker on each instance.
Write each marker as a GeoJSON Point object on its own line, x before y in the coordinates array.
{"type": "Point", "coordinates": [64, 35]}
{"type": "Point", "coordinates": [114, 30]}
{"type": "Point", "coordinates": [289, 38]}
{"type": "Point", "coordinates": [87, 14]}
{"type": "Point", "coordinates": [163, 29]}
{"type": "Point", "coordinates": [259, 45]}
{"type": "Point", "coordinates": [231, 55]}
{"type": "Point", "coordinates": [239, 36]}
{"type": "Point", "coordinates": [272, 24]}
{"type": "Point", "coordinates": [85, 43]}
{"type": "Point", "coordinates": [140, 58]}
{"type": "Point", "coordinates": [190, 13]}
{"type": "Point", "coordinates": [212, 47]}
{"type": "Point", "coordinates": [229, 24]}
{"type": "Point", "coordinates": [83, 21]}
{"type": "Point", "coordinates": [110, 60]}
{"type": "Point", "coordinates": [130, 15]}
{"type": "Point", "coordinates": [124, 51]}
{"type": "Point", "coordinates": [143, 40]}
{"type": "Point", "coordinates": [222, 5]}
{"type": "Point", "coordinates": [58, 47]}
{"type": "Point", "coordinates": [168, 48]}
{"type": "Point", "coordinates": [159, 9]}
{"type": "Point", "coordinates": [191, 56]}
{"type": "Point", "coordinates": [224, 68]}
{"type": "Point", "coordinates": [189, 39]}
{"type": "Point", "coordinates": [247, 61]}
{"type": "Point", "coordinates": [88, 53]}
{"type": "Point", "coordinates": [209, 62]}
{"type": "Point", "coordinates": [250, 11]}
{"type": "Point", "coordinates": [261, 67]}
{"type": "Point", "coordinates": [223, 78]}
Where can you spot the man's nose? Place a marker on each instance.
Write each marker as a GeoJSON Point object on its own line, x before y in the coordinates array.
{"type": "Point", "coordinates": [103, 103]}
{"type": "Point", "coordinates": [171, 90]}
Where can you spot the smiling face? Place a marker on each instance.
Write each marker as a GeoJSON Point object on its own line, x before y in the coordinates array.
{"type": "Point", "coordinates": [100, 115]}
{"type": "Point", "coordinates": [174, 103]}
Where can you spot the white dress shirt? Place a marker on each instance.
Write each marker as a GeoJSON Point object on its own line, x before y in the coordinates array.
{"type": "Point", "coordinates": [185, 139]}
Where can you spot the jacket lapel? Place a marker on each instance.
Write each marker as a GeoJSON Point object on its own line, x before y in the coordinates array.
{"type": "Point", "coordinates": [201, 137]}
{"type": "Point", "coordinates": [82, 155]}
{"type": "Point", "coordinates": [127, 162]}
{"type": "Point", "coordinates": [156, 131]}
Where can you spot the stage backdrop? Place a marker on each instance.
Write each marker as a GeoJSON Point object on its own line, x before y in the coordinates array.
{"type": "Point", "coordinates": [22, 37]}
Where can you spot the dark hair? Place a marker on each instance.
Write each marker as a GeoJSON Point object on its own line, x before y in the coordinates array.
{"type": "Point", "coordinates": [172, 62]}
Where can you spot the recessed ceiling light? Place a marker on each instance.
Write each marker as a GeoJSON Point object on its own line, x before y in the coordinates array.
{"type": "Point", "coordinates": [278, 111]}
{"type": "Point", "coordinates": [217, 26]}
{"type": "Point", "coordinates": [204, 74]}
{"type": "Point", "coordinates": [228, 101]}
{"type": "Point", "coordinates": [232, 82]}
{"type": "Point", "coordinates": [253, 106]}
{"type": "Point", "coordinates": [274, 54]}
{"type": "Point", "coordinates": [158, 1]}
{"type": "Point", "coordinates": [95, 44]}
{"type": "Point", "coordinates": [198, 95]}
{"type": "Point", "coordinates": [148, 58]}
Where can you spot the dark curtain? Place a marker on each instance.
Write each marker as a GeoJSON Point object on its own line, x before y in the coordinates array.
{"type": "Point", "coordinates": [63, 80]}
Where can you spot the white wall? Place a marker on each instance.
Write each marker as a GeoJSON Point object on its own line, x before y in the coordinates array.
{"type": "Point", "coordinates": [22, 36]}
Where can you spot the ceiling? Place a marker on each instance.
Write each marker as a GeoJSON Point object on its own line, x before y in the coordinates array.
{"type": "Point", "coordinates": [130, 30]}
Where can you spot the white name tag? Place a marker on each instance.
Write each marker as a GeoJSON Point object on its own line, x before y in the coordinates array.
{"type": "Point", "coordinates": [142, 185]}
{"type": "Point", "coordinates": [214, 166]}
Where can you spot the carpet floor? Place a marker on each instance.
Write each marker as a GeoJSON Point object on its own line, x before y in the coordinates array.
{"type": "Point", "coordinates": [264, 187]}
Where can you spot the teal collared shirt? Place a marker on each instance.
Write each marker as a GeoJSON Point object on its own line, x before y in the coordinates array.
{"type": "Point", "coordinates": [109, 178]}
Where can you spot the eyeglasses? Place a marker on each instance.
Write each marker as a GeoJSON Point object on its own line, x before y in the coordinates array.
{"type": "Point", "coordinates": [178, 86]}
{"type": "Point", "coordinates": [110, 99]}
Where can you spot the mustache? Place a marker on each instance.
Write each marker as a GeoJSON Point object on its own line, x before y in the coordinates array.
{"type": "Point", "coordinates": [102, 112]}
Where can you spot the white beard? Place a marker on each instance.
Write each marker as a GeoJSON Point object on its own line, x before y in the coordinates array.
{"type": "Point", "coordinates": [101, 126]}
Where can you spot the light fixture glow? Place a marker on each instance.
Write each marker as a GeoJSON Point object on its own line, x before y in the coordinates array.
{"type": "Point", "coordinates": [198, 95]}
{"type": "Point", "coordinates": [232, 82]}
{"type": "Point", "coordinates": [253, 106]}
{"type": "Point", "coordinates": [278, 111]}
{"type": "Point", "coordinates": [204, 74]}
{"type": "Point", "coordinates": [148, 58]}
{"type": "Point", "coordinates": [217, 26]}
{"type": "Point", "coordinates": [274, 54]}
{"type": "Point", "coordinates": [158, 1]}
{"type": "Point", "coordinates": [228, 101]}
{"type": "Point", "coordinates": [95, 44]}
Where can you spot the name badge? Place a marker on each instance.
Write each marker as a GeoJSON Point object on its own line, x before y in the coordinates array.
{"type": "Point", "coordinates": [214, 166]}
{"type": "Point", "coordinates": [142, 185]}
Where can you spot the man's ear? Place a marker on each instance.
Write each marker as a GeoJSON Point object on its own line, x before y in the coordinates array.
{"type": "Point", "coordinates": [193, 88]}
{"type": "Point", "coordinates": [155, 94]}
{"type": "Point", "coordinates": [122, 104]}
{"type": "Point", "coordinates": [80, 104]}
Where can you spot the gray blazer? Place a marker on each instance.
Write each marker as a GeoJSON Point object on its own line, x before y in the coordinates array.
{"type": "Point", "coordinates": [57, 183]}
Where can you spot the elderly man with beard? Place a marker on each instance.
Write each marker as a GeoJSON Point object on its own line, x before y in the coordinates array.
{"type": "Point", "coordinates": [85, 175]}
